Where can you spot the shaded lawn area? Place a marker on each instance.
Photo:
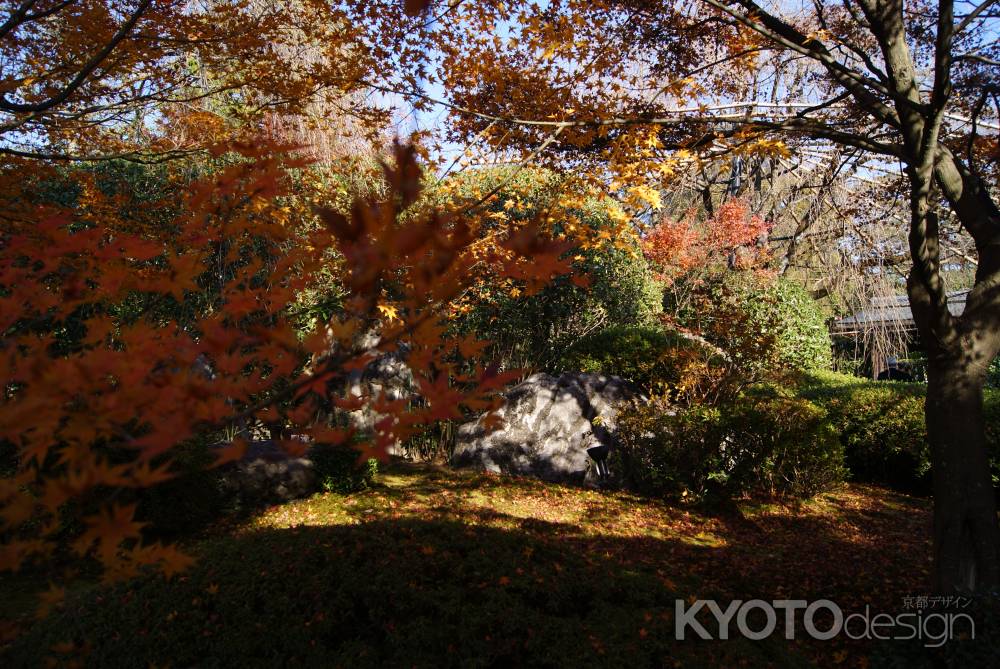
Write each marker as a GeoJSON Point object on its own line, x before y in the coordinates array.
{"type": "Point", "coordinates": [441, 568]}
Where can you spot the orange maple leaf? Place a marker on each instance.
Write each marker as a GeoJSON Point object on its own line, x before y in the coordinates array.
{"type": "Point", "coordinates": [234, 451]}
{"type": "Point", "coordinates": [109, 528]}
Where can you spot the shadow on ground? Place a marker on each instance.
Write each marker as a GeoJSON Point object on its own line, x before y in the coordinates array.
{"type": "Point", "coordinates": [384, 593]}
{"type": "Point", "coordinates": [436, 569]}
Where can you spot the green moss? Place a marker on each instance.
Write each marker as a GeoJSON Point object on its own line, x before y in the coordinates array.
{"type": "Point", "coordinates": [418, 575]}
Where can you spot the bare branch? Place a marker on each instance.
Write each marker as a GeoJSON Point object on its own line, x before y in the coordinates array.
{"type": "Point", "coordinates": [973, 15]}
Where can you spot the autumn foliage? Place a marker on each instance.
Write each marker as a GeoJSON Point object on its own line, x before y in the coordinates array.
{"type": "Point", "coordinates": [97, 396]}
{"type": "Point", "coordinates": [731, 235]}
{"type": "Point", "coordinates": [135, 328]}
{"type": "Point", "coordinates": [160, 78]}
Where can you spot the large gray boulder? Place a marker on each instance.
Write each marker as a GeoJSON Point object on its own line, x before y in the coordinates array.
{"type": "Point", "coordinates": [546, 426]}
{"type": "Point", "coordinates": [387, 377]}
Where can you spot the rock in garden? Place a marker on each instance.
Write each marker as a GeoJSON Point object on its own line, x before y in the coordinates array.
{"type": "Point", "coordinates": [546, 426]}
{"type": "Point", "coordinates": [388, 377]}
{"type": "Point", "coordinates": [267, 474]}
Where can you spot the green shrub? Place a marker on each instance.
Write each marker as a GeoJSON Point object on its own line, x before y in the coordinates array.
{"type": "Point", "coordinates": [339, 470]}
{"type": "Point", "coordinates": [991, 411]}
{"type": "Point", "coordinates": [881, 426]}
{"type": "Point", "coordinates": [765, 324]}
{"type": "Point", "coordinates": [666, 454]}
{"type": "Point", "coordinates": [763, 444]}
{"type": "Point", "coordinates": [532, 330]}
{"type": "Point", "coordinates": [652, 358]}
{"type": "Point", "coordinates": [993, 373]}
{"type": "Point", "coordinates": [781, 445]}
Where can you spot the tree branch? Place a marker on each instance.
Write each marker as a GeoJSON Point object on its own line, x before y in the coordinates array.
{"type": "Point", "coordinates": [89, 67]}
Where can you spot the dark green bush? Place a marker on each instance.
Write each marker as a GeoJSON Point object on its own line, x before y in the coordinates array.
{"type": "Point", "coordinates": [338, 468]}
{"type": "Point", "coordinates": [883, 431]}
{"type": "Point", "coordinates": [761, 445]}
{"type": "Point", "coordinates": [993, 373]}
{"type": "Point", "coordinates": [190, 500]}
{"type": "Point", "coordinates": [652, 358]}
{"type": "Point", "coordinates": [881, 426]}
{"type": "Point", "coordinates": [666, 454]}
{"type": "Point", "coordinates": [781, 445]}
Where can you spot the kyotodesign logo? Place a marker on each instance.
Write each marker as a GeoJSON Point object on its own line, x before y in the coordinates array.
{"type": "Point", "coordinates": [822, 619]}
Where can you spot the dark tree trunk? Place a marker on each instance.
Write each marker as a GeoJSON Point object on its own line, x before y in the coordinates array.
{"type": "Point", "coordinates": [966, 537]}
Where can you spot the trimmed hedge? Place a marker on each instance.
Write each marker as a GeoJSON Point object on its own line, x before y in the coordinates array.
{"type": "Point", "coordinates": [763, 323]}
{"type": "Point", "coordinates": [764, 444]}
{"type": "Point", "coordinates": [881, 426]}
{"type": "Point", "coordinates": [788, 441]}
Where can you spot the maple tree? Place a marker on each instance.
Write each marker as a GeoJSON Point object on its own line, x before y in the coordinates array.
{"type": "Point", "coordinates": [731, 235]}
{"type": "Point", "coordinates": [158, 79]}
{"type": "Point", "coordinates": [131, 328]}
{"type": "Point", "coordinates": [637, 90]}
{"type": "Point", "coordinates": [130, 390]}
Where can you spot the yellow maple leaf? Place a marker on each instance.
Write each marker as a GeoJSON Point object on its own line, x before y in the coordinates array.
{"type": "Point", "coordinates": [172, 561]}
{"type": "Point", "coordinates": [389, 311]}
{"type": "Point", "coordinates": [650, 196]}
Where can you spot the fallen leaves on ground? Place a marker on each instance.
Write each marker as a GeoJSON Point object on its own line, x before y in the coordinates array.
{"type": "Point", "coordinates": [464, 567]}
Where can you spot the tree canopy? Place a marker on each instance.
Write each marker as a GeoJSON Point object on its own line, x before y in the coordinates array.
{"type": "Point", "coordinates": [281, 242]}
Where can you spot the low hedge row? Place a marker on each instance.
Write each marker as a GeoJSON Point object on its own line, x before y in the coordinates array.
{"type": "Point", "coordinates": [881, 426]}
{"type": "Point", "coordinates": [766, 443]}
{"type": "Point", "coordinates": [787, 441]}
{"type": "Point", "coordinates": [653, 358]}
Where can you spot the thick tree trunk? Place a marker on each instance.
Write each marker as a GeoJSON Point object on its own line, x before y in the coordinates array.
{"type": "Point", "coordinates": [966, 537]}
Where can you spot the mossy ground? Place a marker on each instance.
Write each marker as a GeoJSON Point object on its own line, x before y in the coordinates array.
{"type": "Point", "coordinates": [433, 567]}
